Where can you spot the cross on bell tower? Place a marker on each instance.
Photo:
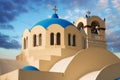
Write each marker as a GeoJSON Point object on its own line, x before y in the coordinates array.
{"type": "Point", "coordinates": [88, 14]}
{"type": "Point", "coordinates": [55, 9]}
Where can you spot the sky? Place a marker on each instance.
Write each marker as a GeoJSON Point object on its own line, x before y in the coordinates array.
{"type": "Point", "coordinates": [18, 15]}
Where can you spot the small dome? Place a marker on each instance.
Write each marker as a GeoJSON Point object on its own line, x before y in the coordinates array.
{"type": "Point", "coordinates": [54, 20]}
{"type": "Point", "coordinates": [117, 79]}
{"type": "Point", "coordinates": [30, 68]}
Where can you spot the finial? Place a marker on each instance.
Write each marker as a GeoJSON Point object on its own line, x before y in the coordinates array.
{"type": "Point", "coordinates": [55, 9]}
{"type": "Point", "coordinates": [88, 14]}
{"type": "Point", "coordinates": [104, 19]}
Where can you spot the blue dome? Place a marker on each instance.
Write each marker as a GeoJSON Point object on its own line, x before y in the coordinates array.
{"type": "Point", "coordinates": [30, 68]}
{"type": "Point", "coordinates": [54, 20]}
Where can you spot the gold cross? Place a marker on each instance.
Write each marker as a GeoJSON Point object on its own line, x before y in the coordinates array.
{"type": "Point", "coordinates": [55, 9]}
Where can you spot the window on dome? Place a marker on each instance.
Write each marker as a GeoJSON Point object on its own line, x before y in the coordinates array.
{"type": "Point", "coordinates": [40, 39]}
{"type": "Point", "coordinates": [34, 40]}
{"type": "Point", "coordinates": [52, 39]}
{"type": "Point", "coordinates": [74, 40]}
{"type": "Point", "coordinates": [24, 42]}
{"type": "Point", "coordinates": [58, 38]}
{"type": "Point", "coordinates": [69, 39]}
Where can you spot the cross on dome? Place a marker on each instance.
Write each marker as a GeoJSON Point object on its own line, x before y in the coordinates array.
{"type": "Point", "coordinates": [55, 9]}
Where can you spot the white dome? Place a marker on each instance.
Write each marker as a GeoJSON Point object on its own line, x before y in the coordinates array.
{"type": "Point", "coordinates": [62, 65]}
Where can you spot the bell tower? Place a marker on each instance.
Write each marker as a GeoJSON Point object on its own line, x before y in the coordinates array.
{"type": "Point", "coordinates": [93, 30]}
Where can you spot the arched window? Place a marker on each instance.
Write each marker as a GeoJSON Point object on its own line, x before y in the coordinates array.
{"type": "Point", "coordinates": [24, 43]}
{"type": "Point", "coordinates": [34, 40]}
{"type": "Point", "coordinates": [80, 26]}
{"type": "Point", "coordinates": [52, 39]}
{"type": "Point", "coordinates": [95, 27]}
{"type": "Point", "coordinates": [74, 40]}
{"type": "Point", "coordinates": [69, 39]}
{"type": "Point", "coordinates": [58, 37]}
{"type": "Point", "coordinates": [40, 39]}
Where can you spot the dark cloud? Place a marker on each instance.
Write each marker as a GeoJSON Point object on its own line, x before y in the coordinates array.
{"type": "Point", "coordinates": [54, 2]}
{"type": "Point", "coordinates": [20, 1]}
{"type": "Point", "coordinates": [6, 27]}
{"type": "Point", "coordinates": [113, 41]}
{"type": "Point", "coordinates": [44, 2]}
{"type": "Point", "coordinates": [9, 9]}
{"type": "Point", "coordinates": [8, 43]}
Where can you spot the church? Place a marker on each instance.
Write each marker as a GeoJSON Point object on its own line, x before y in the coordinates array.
{"type": "Point", "coordinates": [56, 49]}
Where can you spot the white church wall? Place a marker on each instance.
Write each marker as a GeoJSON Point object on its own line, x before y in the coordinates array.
{"type": "Point", "coordinates": [36, 31]}
{"type": "Point", "coordinates": [55, 28]}
{"type": "Point", "coordinates": [73, 31]}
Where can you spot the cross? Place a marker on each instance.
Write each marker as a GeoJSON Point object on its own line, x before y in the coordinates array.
{"type": "Point", "coordinates": [88, 12]}
{"type": "Point", "coordinates": [55, 9]}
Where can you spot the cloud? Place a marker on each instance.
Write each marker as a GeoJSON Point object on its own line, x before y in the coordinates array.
{"type": "Point", "coordinates": [37, 4]}
{"type": "Point", "coordinates": [53, 2]}
{"type": "Point", "coordinates": [9, 9]}
{"type": "Point", "coordinates": [113, 41]}
{"type": "Point", "coordinates": [71, 15]}
{"type": "Point", "coordinates": [112, 22]}
{"type": "Point", "coordinates": [77, 10]}
{"type": "Point", "coordinates": [79, 3]}
{"type": "Point", "coordinates": [6, 27]}
{"type": "Point", "coordinates": [103, 4]}
{"type": "Point", "coordinates": [74, 14]}
{"type": "Point", "coordinates": [21, 1]}
{"type": "Point", "coordinates": [8, 43]}
{"type": "Point", "coordinates": [101, 7]}
{"type": "Point", "coordinates": [116, 5]}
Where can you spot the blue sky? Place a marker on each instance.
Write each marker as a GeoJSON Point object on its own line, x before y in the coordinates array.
{"type": "Point", "coordinates": [17, 15]}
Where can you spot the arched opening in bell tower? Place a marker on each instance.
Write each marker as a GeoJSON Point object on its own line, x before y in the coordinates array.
{"type": "Point", "coordinates": [80, 26]}
{"type": "Point", "coordinates": [95, 27]}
